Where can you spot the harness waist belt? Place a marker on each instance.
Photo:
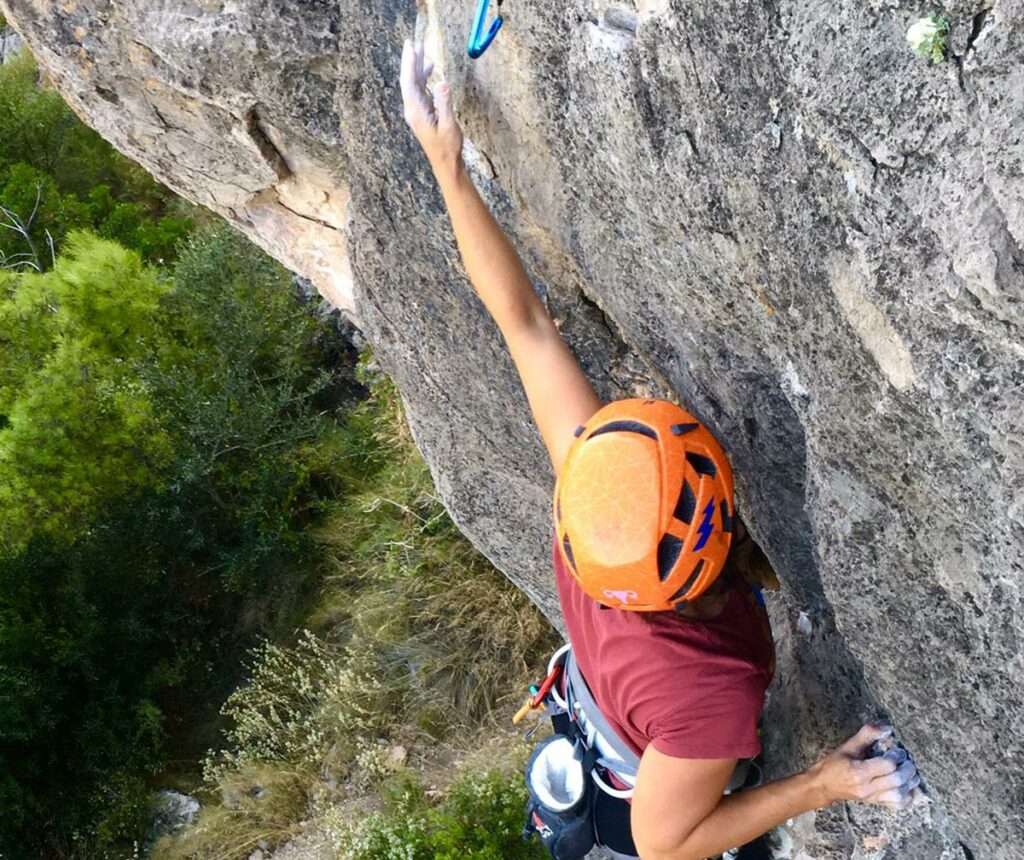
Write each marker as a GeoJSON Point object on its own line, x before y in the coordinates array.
{"type": "Point", "coordinates": [578, 693]}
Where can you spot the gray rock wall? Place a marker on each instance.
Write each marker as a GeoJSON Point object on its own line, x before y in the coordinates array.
{"type": "Point", "coordinates": [771, 210]}
{"type": "Point", "coordinates": [10, 44]}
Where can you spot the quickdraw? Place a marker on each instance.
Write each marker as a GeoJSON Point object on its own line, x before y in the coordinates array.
{"type": "Point", "coordinates": [538, 695]}
{"type": "Point", "coordinates": [479, 41]}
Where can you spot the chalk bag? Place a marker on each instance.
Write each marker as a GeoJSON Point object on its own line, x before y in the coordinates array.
{"type": "Point", "coordinates": [559, 809]}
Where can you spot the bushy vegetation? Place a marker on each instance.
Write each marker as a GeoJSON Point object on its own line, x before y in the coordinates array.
{"type": "Point", "coordinates": [57, 176]}
{"type": "Point", "coordinates": [79, 427]}
{"type": "Point", "coordinates": [93, 629]}
{"type": "Point", "coordinates": [162, 452]}
{"type": "Point", "coordinates": [417, 640]}
{"type": "Point", "coordinates": [179, 481]}
{"type": "Point", "coordinates": [480, 816]}
{"type": "Point", "coordinates": [452, 636]}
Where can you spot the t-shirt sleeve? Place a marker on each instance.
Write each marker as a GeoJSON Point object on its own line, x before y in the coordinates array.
{"type": "Point", "coordinates": [721, 722]}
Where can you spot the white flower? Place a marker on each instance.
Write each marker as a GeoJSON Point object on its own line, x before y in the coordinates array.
{"type": "Point", "coordinates": [921, 34]}
{"type": "Point", "coordinates": [927, 36]}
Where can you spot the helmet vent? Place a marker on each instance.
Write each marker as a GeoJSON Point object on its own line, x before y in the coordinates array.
{"type": "Point", "coordinates": [688, 584]}
{"type": "Point", "coordinates": [680, 429]}
{"type": "Point", "coordinates": [568, 554]}
{"type": "Point", "coordinates": [668, 554]}
{"type": "Point", "coordinates": [625, 427]}
{"type": "Point", "coordinates": [687, 504]}
{"type": "Point", "coordinates": [726, 519]}
{"type": "Point", "coordinates": [701, 464]}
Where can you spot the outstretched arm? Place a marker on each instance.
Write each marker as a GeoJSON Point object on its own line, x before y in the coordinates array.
{"type": "Point", "coordinates": [559, 393]}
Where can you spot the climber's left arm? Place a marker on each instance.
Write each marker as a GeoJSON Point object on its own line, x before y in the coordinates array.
{"type": "Point", "coordinates": [679, 813]}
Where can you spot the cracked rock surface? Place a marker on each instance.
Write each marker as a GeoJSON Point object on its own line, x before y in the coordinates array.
{"type": "Point", "coordinates": [770, 210]}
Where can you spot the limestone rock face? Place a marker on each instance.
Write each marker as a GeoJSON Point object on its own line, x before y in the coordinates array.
{"type": "Point", "coordinates": [10, 44]}
{"type": "Point", "coordinates": [771, 210]}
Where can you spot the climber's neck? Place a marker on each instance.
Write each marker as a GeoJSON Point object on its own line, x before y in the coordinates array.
{"type": "Point", "coordinates": [712, 603]}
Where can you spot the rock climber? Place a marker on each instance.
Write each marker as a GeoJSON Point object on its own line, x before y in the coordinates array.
{"type": "Point", "coordinates": [683, 680]}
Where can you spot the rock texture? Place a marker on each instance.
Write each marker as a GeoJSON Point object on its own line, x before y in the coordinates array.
{"type": "Point", "coordinates": [771, 210]}
{"type": "Point", "coordinates": [10, 44]}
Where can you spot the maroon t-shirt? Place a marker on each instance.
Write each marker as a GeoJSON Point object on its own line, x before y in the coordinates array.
{"type": "Point", "coordinates": [694, 689]}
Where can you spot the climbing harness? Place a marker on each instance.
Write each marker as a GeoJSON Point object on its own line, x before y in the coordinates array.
{"type": "Point", "coordinates": [580, 778]}
{"type": "Point", "coordinates": [478, 40]}
{"type": "Point", "coordinates": [569, 811]}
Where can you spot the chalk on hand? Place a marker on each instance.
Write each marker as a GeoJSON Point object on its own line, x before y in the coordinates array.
{"type": "Point", "coordinates": [897, 755]}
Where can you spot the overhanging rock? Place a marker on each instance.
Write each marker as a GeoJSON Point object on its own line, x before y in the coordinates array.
{"type": "Point", "coordinates": [772, 209]}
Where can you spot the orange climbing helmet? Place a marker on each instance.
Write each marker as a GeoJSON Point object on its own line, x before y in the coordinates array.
{"type": "Point", "coordinates": [644, 506]}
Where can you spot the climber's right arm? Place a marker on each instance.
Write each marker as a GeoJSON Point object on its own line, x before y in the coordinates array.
{"type": "Point", "coordinates": [560, 394]}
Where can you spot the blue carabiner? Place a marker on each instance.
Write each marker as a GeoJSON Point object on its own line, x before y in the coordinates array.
{"type": "Point", "coordinates": [478, 41]}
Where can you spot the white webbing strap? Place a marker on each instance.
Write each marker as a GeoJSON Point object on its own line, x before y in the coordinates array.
{"type": "Point", "coordinates": [578, 695]}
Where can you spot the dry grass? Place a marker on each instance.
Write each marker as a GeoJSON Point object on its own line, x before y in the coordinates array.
{"type": "Point", "coordinates": [452, 632]}
{"type": "Point", "coordinates": [259, 805]}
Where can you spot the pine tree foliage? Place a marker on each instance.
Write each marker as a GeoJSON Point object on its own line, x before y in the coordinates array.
{"type": "Point", "coordinates": [165, 437]}
{"type": "Point", "coordinates": [78, 427]}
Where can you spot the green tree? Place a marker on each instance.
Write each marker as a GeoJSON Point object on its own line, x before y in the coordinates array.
{"type": "Point", "coordinates": [57, 175]}
{"type": "Point", "coordinates": [78, 428]}
{"type": "Point", "coordinates": [78, 640]}
{"type": "Point", "coordinates": [163, 446]}
{"type": "Point", "coordinates": [239, 374]}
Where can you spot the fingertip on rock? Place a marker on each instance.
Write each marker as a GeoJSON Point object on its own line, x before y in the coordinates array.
{"type": "Point", "coordinates": [897, 755]}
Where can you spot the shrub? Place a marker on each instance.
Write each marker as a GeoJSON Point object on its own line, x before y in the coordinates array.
{"type": "Point", "coordinates": [160, 455]}
{"type": "Point", "coordinates": [237, 375]}
{"type": "Point", "coordinates": [79, 430]}
{"type": "Point", "coordinates": [480, 817]}
{"type": "Point", "coordinates": [300, 703]}
{"type": "Point", "coordinates": [452, 634]}
{"type": "Point", "coordinates": [80, 728]}
{"type": "Point", "coordinates": [115, 380]}
{"type": "Point", "coordinates": [416, 634]}
{"type": "Point", "coordinates": [929, 37]}
{"type": "Point", "coordinates": [260, 806]}
{"type": "Point", "coordinates": [416, 628]}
